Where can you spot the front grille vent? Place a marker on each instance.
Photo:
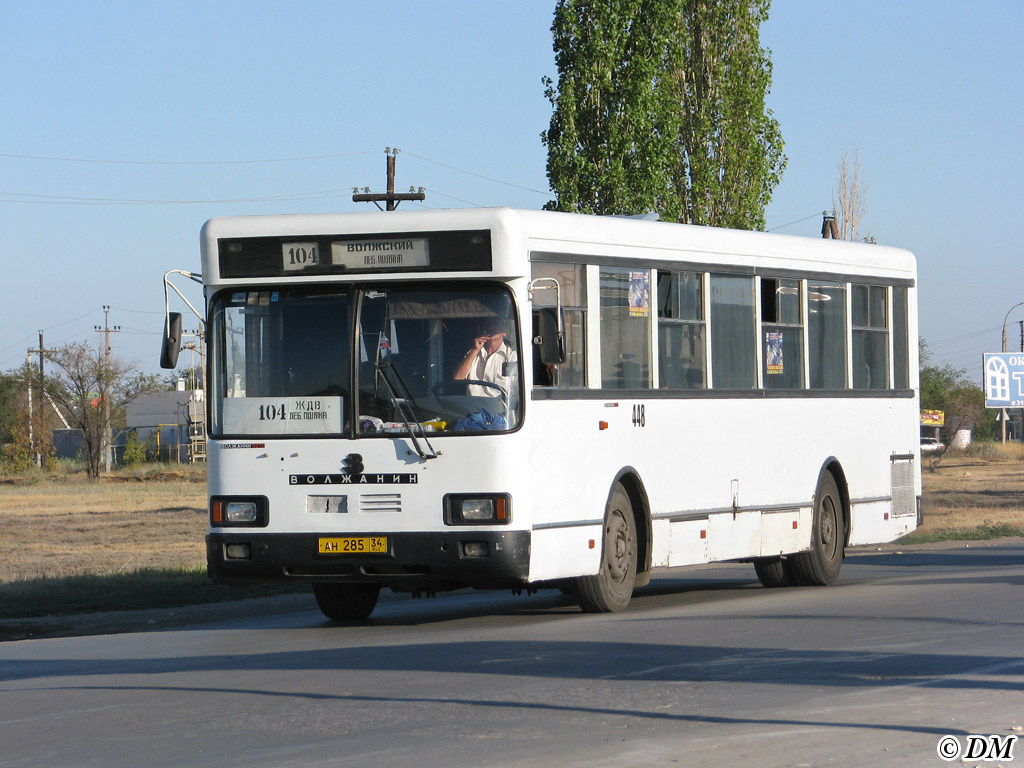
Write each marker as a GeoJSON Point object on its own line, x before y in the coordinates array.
{"type": "Point", "coordinates": [380, 502]}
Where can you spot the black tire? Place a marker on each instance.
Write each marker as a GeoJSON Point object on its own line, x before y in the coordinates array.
{"type": "Point", "coordinates": [612, 587]}
{"type": "Point", "coordinates": [820, 566]}
{"type": "Point", "coordinates": [774, 572]}
{"type": "Point", "coordinates": [346, 602]}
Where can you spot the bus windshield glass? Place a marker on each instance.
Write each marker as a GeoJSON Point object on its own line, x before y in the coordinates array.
{"type": "Point", "coordinates": [451, 353]}
{"type": "Point", "coordinates": [284, 361]}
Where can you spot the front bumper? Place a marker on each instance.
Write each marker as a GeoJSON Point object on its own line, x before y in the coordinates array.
{"type": "Point", "coordinates": [414, 562]}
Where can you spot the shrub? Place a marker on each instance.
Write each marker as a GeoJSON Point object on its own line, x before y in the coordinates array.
{"type": "Point", "coordinates": [134, 452]}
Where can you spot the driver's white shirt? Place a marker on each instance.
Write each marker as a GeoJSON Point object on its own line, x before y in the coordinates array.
{"type": "Point", "coordinates": [488, 367]}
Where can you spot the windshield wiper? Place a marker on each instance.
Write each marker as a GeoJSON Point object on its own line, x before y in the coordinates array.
{"type": "Point", "coordinates": [402, 401]}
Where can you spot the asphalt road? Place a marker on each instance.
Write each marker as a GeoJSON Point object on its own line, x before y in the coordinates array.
{"type": "Point", "coordinates": [705, 668]}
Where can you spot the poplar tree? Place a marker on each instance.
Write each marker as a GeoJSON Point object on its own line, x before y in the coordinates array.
{"type": "Point", "coordinates": [660, 106]}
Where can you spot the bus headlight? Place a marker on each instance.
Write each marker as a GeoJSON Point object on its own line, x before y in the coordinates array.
{"type": "Point", "coordinates": [477, 509]}
{"type": "Point", "coordinates": [243, 511]}
{"type": "Point", "coordinates": [240, 512]}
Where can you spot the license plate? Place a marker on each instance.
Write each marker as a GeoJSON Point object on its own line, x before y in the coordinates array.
{"type": "Point", "coordinates": [355, 545]}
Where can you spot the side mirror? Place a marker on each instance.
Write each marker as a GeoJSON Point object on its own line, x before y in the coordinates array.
{"type": "Point", "coordinates": [171, 341]}
{"type": "Point", "coordinates": [550, 338]}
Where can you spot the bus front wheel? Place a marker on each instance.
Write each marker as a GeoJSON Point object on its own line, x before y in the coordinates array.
{"type": "Point", "coordinates": [612, 587]}
{"type": "Point", "coordinates": [820, 566]}
{"type": "Point", "coordinates": [346, 602]}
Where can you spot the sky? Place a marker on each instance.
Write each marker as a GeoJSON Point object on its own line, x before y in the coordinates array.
{"type": "Point", "coordinates": [128, 124]}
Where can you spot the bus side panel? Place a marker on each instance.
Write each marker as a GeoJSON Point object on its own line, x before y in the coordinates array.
{"type": "Point", "coordinates": [559, 552]}
{"type": "Point", "coordinates": [749, 466]}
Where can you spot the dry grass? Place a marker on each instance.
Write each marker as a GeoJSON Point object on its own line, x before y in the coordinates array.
{"type": "Point", "coordinates": [981, 487]}
{"type": "Point", "coordinates": [60, 527]}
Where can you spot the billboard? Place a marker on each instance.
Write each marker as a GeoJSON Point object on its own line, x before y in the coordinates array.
{"type": "Point", "coordinates": [933, 418]}
{"type": "Point", "coordinates": [1004, 379]}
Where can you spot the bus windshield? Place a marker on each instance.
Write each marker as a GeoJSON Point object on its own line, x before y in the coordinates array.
{"type": "Point", "coordinates": [284, 361]}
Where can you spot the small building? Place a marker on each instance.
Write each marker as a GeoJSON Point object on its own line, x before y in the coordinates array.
{"type": "Point", "coordinates": [173, 422]}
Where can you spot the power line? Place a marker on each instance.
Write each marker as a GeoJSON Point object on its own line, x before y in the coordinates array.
{"type": "Point", "coordinates": [964, 337]}
{"type": "Point", "coordinates": [477, 175]}
{"type": "Point", "coordinates": [38, 199]}
{"type": "Point", "coordinates": [451, 197]}
{"type": "Point", "coordinates": [31, 198]}
{"type": "Point", "coordinates": [48, 328]}
{"type": "Point", "coordinates": [790, 215]}
{"type": "Point", "coordinates": [782, 226]}
{"type": "Point", "coordinates": [138, 311]}
{"type": "Point", "coordinates": [182, 162]}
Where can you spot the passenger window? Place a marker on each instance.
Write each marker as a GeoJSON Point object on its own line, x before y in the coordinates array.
{"type": "Point", "coordinates": [572, 287]}
{"type": "Point", "coordinates": [733, 334]}
{"type": "Point", "coordinates": [870, 338]}
{"type": "Point", "coordinates": [783, 352]}
{"type": "Point", "coordinates": [900, 339]}
{"type": "Point", "coordinates": [625, 328]}
{"type": "Point", "coordinates": [826, 334]}
{"type": "Point", "coordinates": [681, 331]}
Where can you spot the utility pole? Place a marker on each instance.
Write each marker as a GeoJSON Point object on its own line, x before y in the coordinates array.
{"type": "Point", "coordinates": [106, 330]}
{"type": "Point", "coordinates": [391, 198]}
{"type": "Point", "coordinates": [37, 455]}
{"type": "Point", "coordinates": [829, 227]}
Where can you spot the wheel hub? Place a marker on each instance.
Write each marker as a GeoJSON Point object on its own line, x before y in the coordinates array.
{"type": "Point", "coordinates": [619, 547]}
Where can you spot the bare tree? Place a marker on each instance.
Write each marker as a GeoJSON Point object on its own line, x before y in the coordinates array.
{"type": "Point", "coordinates": [850, 201]}
{"type": "Point", "coordinates": [93, 389]}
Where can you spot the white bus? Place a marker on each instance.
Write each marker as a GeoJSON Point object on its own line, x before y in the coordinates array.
{"type": "Point", "coordinates": [498, 398]}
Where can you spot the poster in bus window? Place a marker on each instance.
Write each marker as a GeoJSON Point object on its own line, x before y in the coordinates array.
{"type": "Point", "coordinates": [773, 353]}
{"type": "Point", "coordinates": [639, 294]}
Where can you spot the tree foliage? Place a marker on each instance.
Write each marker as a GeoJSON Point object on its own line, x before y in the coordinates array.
{"type": "Point", "coordinates": [11, 387]}
{"type": "Point", "coordinates": [949, 389]}
{"type": "Point", "coordinates": [660, 106]}
{"type": "Point", "coordinates": [15, 448]}
{"type": "Point", "coordinates": [25, 433]}
{"type": "Point", "coordinates": [93, 390]}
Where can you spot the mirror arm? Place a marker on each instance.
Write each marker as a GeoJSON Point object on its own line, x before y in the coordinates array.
{"type": "Point", "coordinates": [167, 304]}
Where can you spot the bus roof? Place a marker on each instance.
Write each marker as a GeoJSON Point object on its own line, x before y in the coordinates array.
{"type": "Point", "coordinates": [553, 233]}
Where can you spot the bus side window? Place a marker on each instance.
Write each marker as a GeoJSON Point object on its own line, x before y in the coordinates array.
{"type": "Point", "coordinates": [782, 333]}
{"type": "Point", "coordinates": [900, 338]}
{"type": "Point", "coordinates": [543, 375]}
{"type": "Point", "coordinates": [571, 279]}
{"type": "Point", "coordinates": [733, 335]}
{"type": "Point", "coordinates": [826, 333]}
{"type": "Point", "coordinates": [681, 331]}
{"type": "Point", "coordinates": [870, 337]}
{"type": "Point", "coordinates": [625, 306]}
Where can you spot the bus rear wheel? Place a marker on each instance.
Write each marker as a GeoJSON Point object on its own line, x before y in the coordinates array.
{"type": "Point", "coordinates": [820, 566]}
{"type": "Point", "coordinates": [346, 602]}
{"type": "Point", "coordinates": [612, 587]}
{"type": "Point", "coordinates": [774, 572]}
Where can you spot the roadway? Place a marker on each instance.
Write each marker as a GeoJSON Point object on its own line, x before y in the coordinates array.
{"type": "Point", "coordinates": [704, 668]}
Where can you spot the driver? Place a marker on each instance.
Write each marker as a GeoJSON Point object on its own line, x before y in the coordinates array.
{"type": "Point", "coordinates": [486, 360]}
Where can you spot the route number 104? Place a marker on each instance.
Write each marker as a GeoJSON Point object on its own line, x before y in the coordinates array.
{"type": "Point", "coordinates": [300, 255]}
